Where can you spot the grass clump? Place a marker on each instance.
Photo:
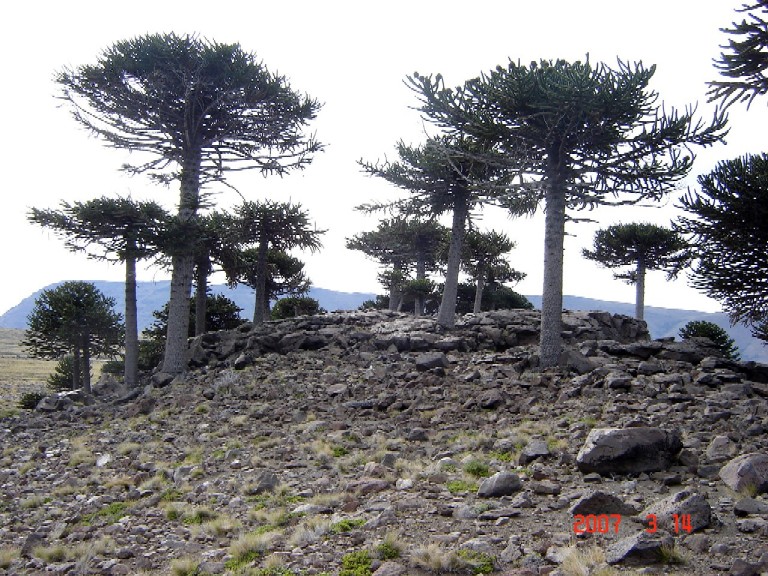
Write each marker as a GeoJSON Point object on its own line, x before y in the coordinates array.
{"type": "Point", "coordinates": [7, 556]}
{"type": "Point", "coordinates": [185, 567]}
{"type": "Point", "coordinates": [479, 562]}
{"type": "Point", "coordinates": [356, 564]}
{"type": "Point", "coordinates": [111, 513]}
{"type": "Point", "coordinates": [672, 556]}
{"type": "Point", "coordinates": [50, 554]}
{"type": "Point", "coordinates": [346, 525]}
{"type": "Point", "coordinates": [586, 562]}
{"type": "Point", "coordinates": [477, 469]}
{"type": "Point", "coordinates": [389, 548]}
{"type": "Point", "coordinates": [460, 486]}
{"type": "Point", "coordinates": [246, 549]}
{"type": "Point", "coordinates": [438, 559]}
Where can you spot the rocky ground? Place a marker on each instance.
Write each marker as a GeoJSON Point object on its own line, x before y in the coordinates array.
{"type": "Point", "coordinates": [362, 443]}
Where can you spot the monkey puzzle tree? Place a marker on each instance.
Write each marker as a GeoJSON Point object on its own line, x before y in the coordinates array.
{"type": "Point", "coordinates": [74, 318]}
{"type": "Point", "coordinates": [199, 109]}
{"type": "Point", "coordinates": [268, 225]}
{"type": "Point", "coordinates": [404, 244]}
{"type": "Point", "coordinates": [583, 135]}
{"type": "Point", "coordinates": [720, 338]}
{"type": "Point", "coordinates": [443, 176]}
{"type": "Point", "coordinates": [744, 64]}
{"type": "Point", "coordinates": [643, 246]}
{"type": "Point", "coordinates": [483, 260]}
{"type": "Point", "coordinates": [727, 227]}
{"type": "Point", "coordinates": [122, 229]}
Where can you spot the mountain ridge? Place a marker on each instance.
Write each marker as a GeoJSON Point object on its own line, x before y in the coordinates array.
{"type": "Point", "coordinates": [662, 322]}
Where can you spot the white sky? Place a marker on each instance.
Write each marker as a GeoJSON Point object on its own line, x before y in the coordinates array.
{"type": "Point", "coordinates": [353, 56]}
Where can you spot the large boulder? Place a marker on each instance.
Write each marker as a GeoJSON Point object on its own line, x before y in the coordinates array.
{"type": "Point", "coordinates": [747, 472]}
{"type": "Point", "coordinates": [609, 451]}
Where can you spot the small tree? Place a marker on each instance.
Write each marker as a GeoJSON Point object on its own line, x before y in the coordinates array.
{"type": "Point", "coordinates": [704, 329]}
{"type": "Point", "coordinates": [296, 306]}
{"type": "Point", "coordinates": [484, 261]}
{"type": "Point", "coordinates": [643, 246]}
{"type": "Point", "coordinates": [74, 318]}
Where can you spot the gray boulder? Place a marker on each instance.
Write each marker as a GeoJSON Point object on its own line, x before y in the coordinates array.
{"type": "Point", "coordinates": [500, 484]}
{"type": "Point", "coordinates": [684, 503]}
{"type": "Point", "coordinates": [608, 451]}
{"type": "Point", "coordinates": [748, 471]}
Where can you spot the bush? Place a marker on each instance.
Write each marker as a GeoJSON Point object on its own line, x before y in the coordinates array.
{"type": "Point", "coordinates": [704, 329]}
{"type": "Point", "coordinates": [30, 400]}
{"type": "Point", "coordinates": [356, 564]}
{"type": "Point", "coordinates": [295, 306]}
{"type": "Point", "coordinates": [61, 379]}
{"type": "Point", "coordinates": [114, 367]}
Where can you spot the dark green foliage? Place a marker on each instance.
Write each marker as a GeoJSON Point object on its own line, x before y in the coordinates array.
{"type": "Point", "coordinates": [744, 63]}
{"type": "Point", "coordinates": [150, 353]}
{"type": "Point", "coordinates": [356, 564]}
{"type": "Point", "coordinates": [221, 313]}
{"type": "Point", "coordinates": [62, 378]}
{"type": "Point", "coordinates": [30, 400]}
{"type": "Point", "coordinates": [113, 367]}
{"type": "Point", "coordinates": [727, 225]}
{"type": "Point", "coordinates": [381, 303]}
{"type": "Point", "coordinates": [495, 297]}
{"type": "Point", "coordinates": [296, 306]}
{"type": "Point", "coordinates": [74, 318]}
{"type": "Point", "coordinates": [704, 329]}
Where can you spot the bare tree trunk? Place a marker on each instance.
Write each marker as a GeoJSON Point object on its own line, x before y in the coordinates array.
{"type": "Point", "coordinates": [640, 289]}
{"type": "Point", "coordinates": [76, 371]}
{"type": "Point", "coordinates": [131, 369]}
{"type": "Point", "coordinates": [479, 287]}
{"type": "Point", "coordinates": [446, 316]}
{"type": "Point", "coordinates": [421, 274]}
{"type": "Point", "coordinates": [201, 295]}
{"type": "Point", "coordinates": [551, 342]}
{"type": "Point", "coordinates": [183, 262]}
{"type": "Point", "coordinates": [260, 312]}
{"type": "Point", "coordinates": [86, 362]}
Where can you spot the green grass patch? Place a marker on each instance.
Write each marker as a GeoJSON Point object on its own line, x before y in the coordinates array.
{"type": "Point", "coordinates": [460, 486]}
{"type": "Point", "coordinates": [111, 514]}
{"type": "Point", "coordinates": [346, 525]}
{"type": "Point", "coordinates": [356, 564]}
{"type": "Point", "coordinates": [477, 469]}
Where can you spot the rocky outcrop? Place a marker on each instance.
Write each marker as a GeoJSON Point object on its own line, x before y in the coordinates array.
{"type": "Point", "coordinates": [324, 435]}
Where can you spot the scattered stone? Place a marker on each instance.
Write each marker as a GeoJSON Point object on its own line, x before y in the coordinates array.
{"type": "Point", "coordinates": [608, 451]}
{"type": "Point", "coordinates": [598, 502]}
{"type": "Point", "coordinates": [749, 471]}
{"type": "Point", "coordinates": [685, 503]}
{"type": "Point", "coordinates": [640, 548]}
{"type": "Point", "coordinates": [432, 360]}
{"type": "Point", "coordinates": [500, 484]}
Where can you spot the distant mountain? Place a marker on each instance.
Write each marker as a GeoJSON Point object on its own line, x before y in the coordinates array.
{"type": "Point", "coordinates": [152, 296]}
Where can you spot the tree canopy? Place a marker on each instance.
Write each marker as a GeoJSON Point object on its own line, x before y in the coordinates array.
{"type": "Point", "coordinates": [579, 136]}
{"type": "Point", "coordinates": [727, 224]}
{"type": "Point", "coordinates": [74, 318]}
{"type": "Point", "coordinates": [643, 246]}
{"type": "Point", "coordinates": [484, 261]}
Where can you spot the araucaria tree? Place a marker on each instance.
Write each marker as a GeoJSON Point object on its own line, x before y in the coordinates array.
{"type": "Point", "coordinates": [727, 224]}
{"type": "Point", "coordinates": [121, 229]}
{"type": "Point", "coordinates": [198, 109]}
{"type": "Point", "coordinates": [268, 225]}
{"type": "Point", "coordinates": [443, 176]}
{"type": "Point", "coordinates": [584, 135]}
{"type": "Point", "coordinates": [484, 260]}
{"type": "Point", "coordinates": [643, 246]}
{"type": "Point", "coordinates": [74, 318]}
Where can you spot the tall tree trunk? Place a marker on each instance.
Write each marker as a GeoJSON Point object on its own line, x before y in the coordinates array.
{"type": "Point", "coordinates": [551, 339]}
{"type": "Point", "coordinates": [446, 316]}
{"type": "Point", "coordinates": [421, 274]}
{"type": "Point", "coordinates": [479, 287]}
{"type": "Point", "coordinates": [201, 294]}
{"type": "Point", "coordinates": [183, 261]}
{"type": "Point", "coordinates": [86, 362]}
{"type": "Point", "coordinates": [77, 373]}
{"type": "Point", "coordinates": [640, 289]}
{"type": "Point", "coordinates": [260, 312]}
{"type": "Point", "coordinates": [131, 369]}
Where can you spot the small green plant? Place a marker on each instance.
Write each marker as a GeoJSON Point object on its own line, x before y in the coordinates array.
{"type": "Point", "coordinates": [246, 549]}
{"type": "Point", "coordinates": [718, 336]}
{"type": "Point", "coordinates": [479, 562]}
{"type": "Point", "coordinates": [356, 564]}
{"type": "Point", "coordinates": [30, 400]}
{"type": "Point", "coordinates": [671, 555]}
{"type": "Point", "coordinates": [477, 469]}
{"type": "Point", "coordinates": [460, 486]}
{"type": "Point", "coordinates": [389, 548]}
{"type": "Point", "coordinates": [198, 516]}
{"type": "Point", "coordinates": [171, 495]}
{"type": "Point", "coordinates": [50, 554]}
{"type": "Point", "coordinates": [7, 556]}
{"type": "Point", "coordinates": [346, 525]}
{"type": "Point", "coordinates": [339, 451]}
{"type": "Point", "coordinates": [502, 456]}
{"type": "Point", "coordinates": [113, 367]}
{"type": "Point", "coordinates": [111, 513]}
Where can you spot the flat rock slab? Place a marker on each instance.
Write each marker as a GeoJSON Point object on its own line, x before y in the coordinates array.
{"type": "Point", "coordinates": [640, 548]}
{"type": "Point", "coordinates": [684, 503]}
{"type": "Point", "coordinates": [598, 502]}
{"type": "Point", "coordinates": [608, 451]}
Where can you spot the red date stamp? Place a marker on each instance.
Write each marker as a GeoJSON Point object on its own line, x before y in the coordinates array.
{"type": "Point", "coordinates": [605, 523]}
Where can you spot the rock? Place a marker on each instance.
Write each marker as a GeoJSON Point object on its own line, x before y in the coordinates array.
{"type": "Point", "coordinates": [535, 449]}
{"type": "Point", "coordinates": [500, 484]}
{"type": "Point", "coordinates": [721, 449]}
{"type": "Point", "coordinates": [162, 379]}
{"type": "Point", "coordinates": [749, 471]}
{"type": "Point", "coordinates": [608, 451]}
{"type": "Point", "coordinates": [390, 569]}
{"type": "Point", "coordinates": [640, 548]}
{"type": "Point", "coordinates": [685, 503]}
{"type": "Point", "coordinates": [432, 360]}
{"type": "Point", "coordinates": [598, 502]}
{"type": "Point", "coordinates": [266, 481]}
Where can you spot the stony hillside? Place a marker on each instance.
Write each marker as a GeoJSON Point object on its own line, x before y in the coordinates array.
{"type": "Point", "coordinates": [375, 443]}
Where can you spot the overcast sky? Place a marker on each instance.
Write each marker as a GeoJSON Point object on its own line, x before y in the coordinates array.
{"type": "Point", "coordinates": [353, 57]}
